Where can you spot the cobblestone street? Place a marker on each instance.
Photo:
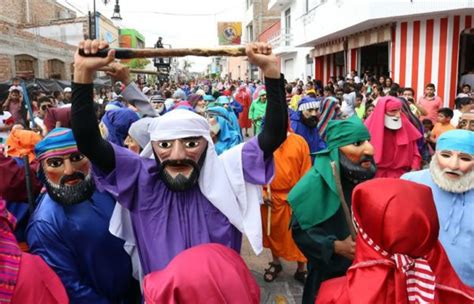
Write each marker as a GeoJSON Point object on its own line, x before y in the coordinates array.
{"type": "Point", "coordinates": [285, 289]}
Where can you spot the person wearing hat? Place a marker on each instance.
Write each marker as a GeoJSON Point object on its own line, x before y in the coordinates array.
{"type": "Point", "coordinates": [179, 192]}
{"type": "Point", "coordinates": [394, 138]}
{"type": "Point", "coordinates": [398, 258]}
{"type": "Point", "coordinates": [304, 122]}
{"type": "Point", "coordinates": [451, 179]}
{"type": "Point", "coordinates": [67, 93]}
{"type": "Point", "coordinates": [223, 130]}
{"type": "Point", "coordinates": [69, 228]}
{"type": "Point", "coordinates": [257, 111]}
{"type": "Point", "coordinates": [319, 224]}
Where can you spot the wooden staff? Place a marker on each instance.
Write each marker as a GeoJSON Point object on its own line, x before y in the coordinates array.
{"type": "Point", "coordinates": [269, 209]}
{"type": "Point", "coordinates": [137, 71]}
{"type": "Point", "coordinates": [123, 53]}
{"type": "Point", "coordinates": [342, 199]}
{"type": "Point", "coordinates": [29, 185]}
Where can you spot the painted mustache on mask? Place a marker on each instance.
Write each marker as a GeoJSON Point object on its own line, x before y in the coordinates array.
{"type": "Point", "coordinates": [179, 182]}
{"type": "Point", "coordinates": [180, 162]}
{"type": "Point", "coordinates": [75, 176]}
{"type": "Point", "coordinates": [366, 158]}
{"type": "Point", "coordinates": [457, 172]}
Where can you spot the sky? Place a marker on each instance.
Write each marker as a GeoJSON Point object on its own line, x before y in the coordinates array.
{"type": "Point", "coordinates": [181, 23]}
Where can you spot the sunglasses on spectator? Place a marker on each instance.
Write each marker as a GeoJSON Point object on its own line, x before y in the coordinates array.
{"type": "Point", "coordinates": [44, 107]}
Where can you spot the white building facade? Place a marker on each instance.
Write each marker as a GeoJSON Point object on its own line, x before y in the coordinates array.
{"type": "Point", "coordinates": [415, 42]}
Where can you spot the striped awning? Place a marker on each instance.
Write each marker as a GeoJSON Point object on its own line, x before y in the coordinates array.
{"type": "Point", "coordinates": [329, 47]}
{"type": "Point", "coordinates": [372, 36]}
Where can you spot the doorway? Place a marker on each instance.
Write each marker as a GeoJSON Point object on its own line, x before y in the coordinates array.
{"type": "Point", "coordinates": [374, 58]}
{"type": "Point", "coordinates": [466, 59]}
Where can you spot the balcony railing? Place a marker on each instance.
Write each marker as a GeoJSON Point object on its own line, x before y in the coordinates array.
{"type": "Point", "coordinates": [282, 38]}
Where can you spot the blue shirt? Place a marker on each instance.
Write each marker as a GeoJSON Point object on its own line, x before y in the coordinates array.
{"type": "Point", "coordinates": [76, 243]}
{"type": "Point", "coordinates": [456, 222]}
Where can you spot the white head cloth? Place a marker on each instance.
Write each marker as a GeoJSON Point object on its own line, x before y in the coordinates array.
{"type": "Point", "coordinates": [220, 176]}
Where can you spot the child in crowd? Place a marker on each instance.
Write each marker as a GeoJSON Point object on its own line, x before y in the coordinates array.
{"type": "Point", "coordinates": [443, 123]}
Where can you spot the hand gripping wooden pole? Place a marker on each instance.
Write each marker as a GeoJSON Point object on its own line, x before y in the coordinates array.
{"type": "Point", "coordinates": [123, 53]}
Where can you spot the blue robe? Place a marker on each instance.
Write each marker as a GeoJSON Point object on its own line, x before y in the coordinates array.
{"type": "Point", "coordinates": [456, 223]}
{"type": "Point", "coordinates": [76, 243]}
{"type": "Point", "coordinates": [311, 135]}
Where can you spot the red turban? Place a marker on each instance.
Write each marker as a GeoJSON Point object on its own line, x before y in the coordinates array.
{"type": "Point", "coordinates": [397, 223]}
{"type": "Point", "coordinates": [376, 125]}
{"type": "Point", "coordinates": [209, 273]}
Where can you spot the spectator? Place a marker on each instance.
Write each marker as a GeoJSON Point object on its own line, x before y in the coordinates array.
{"type": "Point", "coordinates": [328, 91]}
{"type": "Point", "coordinates": [430, 103]}
{"type": "Point", "coordinates": [44, 104]}
{"type": "Point", "coordinates": [427, 131]}
{"type": "Point", "coordinates": [296, 98]}
{"type": "Point", "coordinates": [368, 110]}
{"type": "Point", "coordinates": [463, 105]}
{"type": "Point", "coordinates": [58, 98]}
{"type": "Point", "coordinates": [13, 104]}
{"type": "Point", "coordinates": [387, 86]}
{"type": "Point", "coordinates": [359, 105]}
{"type": "Point", "coordinates": [444, 123]}
{"type": "Point", "coordinates": [409, 95]}
{"type": "Point", "coordinates": [465, 91]}
{"type": "Point", "coordinates": [67, 93]}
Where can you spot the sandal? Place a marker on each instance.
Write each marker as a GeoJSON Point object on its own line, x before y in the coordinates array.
{"type": "Point", "coordinates": [300, 276]}
{"type": "Point", "coordinates": [272, 272]}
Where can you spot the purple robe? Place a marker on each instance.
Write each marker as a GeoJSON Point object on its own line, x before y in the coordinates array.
{"type": "Point", "coordinates": [166, 222]}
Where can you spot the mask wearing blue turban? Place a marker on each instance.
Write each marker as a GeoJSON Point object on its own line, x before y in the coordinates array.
{"type": "Point", "coordinates": [118, 122]}
{"type": "Point", "coordinates": [228, 135]}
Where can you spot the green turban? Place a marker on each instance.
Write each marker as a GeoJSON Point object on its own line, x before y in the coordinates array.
{"type": "Point", "coordinates": [314, 198]}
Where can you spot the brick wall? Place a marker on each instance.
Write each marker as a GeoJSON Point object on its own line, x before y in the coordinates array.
{"type": "Point", "coordinates": [5, 68]}
{"type": "Point", "coordinates": [28, 12]}
{"type": "Point", "coordinates": [12, 11]}
{"type": "Point", "coordinates": [13, 31]}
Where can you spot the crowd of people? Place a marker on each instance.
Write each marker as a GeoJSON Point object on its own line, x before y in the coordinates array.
{"type": "Point", "coordinates": [143, 192]}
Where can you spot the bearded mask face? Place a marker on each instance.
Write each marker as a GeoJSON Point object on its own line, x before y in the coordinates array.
{"type": "Point", "coordinates": [392, 120]}
{"type": "Point", "coordinates": [180, 161]}
{"type": "Point", "coordinates": [453, 171]}
{"type": "Point", "coordinates": [357, 161]}
{"type": "Point", "coordinates": [310, 117]}
{"type": "Point", "coordinates": [68, 178]}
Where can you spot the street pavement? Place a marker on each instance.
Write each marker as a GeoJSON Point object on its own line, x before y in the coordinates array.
{"type": "Point", "coordinates": [284, 289]}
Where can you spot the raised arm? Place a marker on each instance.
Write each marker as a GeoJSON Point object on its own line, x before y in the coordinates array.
{"type": "Point", "coordinates": [83, 119]}
{"type": "Point", "coordinates": [276, 114]}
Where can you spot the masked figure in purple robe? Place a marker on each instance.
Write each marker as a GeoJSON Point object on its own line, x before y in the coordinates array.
{"type": "Point", "coordinates": [180, 193]}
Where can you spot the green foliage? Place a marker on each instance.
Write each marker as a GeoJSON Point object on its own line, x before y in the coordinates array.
{"type": "Point", "coordinates": [138, 63]}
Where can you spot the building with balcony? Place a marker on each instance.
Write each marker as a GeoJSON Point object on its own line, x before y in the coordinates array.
{"type": "Point", "coordinates": [257, 18]}
{"type": "Point", "coordinates": [414, 42]}
{"type": "Point", "coordinates": [296, 62]}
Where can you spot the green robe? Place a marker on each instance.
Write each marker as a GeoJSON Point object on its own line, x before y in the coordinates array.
{"type": "Point", "coordinates": [317, 245]}
{"type": "Point", "coordinates": [318, 218]}
{"type": "Point", "coordinates": [256, 113]}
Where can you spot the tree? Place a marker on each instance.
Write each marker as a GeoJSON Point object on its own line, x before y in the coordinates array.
{"type": "Point", "coordinates": [138, 63]}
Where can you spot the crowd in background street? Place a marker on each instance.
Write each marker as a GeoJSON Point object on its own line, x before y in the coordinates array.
{"type": "Point", "coordinates": [318, 179]}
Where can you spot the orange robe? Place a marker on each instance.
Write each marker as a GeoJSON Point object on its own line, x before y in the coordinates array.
{"type": "Point", "coordinates": [292, 161]}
